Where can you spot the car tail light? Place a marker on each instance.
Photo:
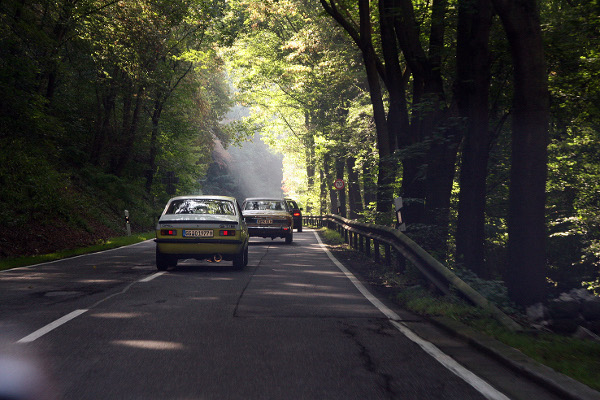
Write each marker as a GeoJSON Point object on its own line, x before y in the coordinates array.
{"type": "Point", "coordinates": [228, 232]}
{"type": "Point", "coordinates": [296, 214]}
{"type": "Point", "coordinates": [168, 232]}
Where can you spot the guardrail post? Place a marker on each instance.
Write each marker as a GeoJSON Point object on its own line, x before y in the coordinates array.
{"type": "Point", "coordinates": [388, 254]}
{"type": "Point", "coordinates": [400, 262]}
{"type": "Point", "coordinates": [376, 250]}
{"type": "Point", "coordinates": [368, 246]}
{"type": "Point", "coordinates": [361, 239]}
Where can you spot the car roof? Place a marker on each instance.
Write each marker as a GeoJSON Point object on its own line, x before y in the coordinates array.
{"type": "Point", "coordinates": [264, 198]}
{"type": "Point", "coordinates": [204, 197]}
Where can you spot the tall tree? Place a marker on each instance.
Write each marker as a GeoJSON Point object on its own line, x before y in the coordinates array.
{"type": "Point", "coordinates": [373, 68]}
{"type": "Point", "coordinates": [526, 268]}
{"type": "Point", "coordinates": [472, 94]}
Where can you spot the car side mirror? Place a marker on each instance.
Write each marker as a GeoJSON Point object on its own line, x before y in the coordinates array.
{"type": "Point", "coordinates": [301, 209]}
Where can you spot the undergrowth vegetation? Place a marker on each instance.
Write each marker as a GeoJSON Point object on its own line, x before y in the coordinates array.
{"type": "Point", "coordinates": [48, 210]}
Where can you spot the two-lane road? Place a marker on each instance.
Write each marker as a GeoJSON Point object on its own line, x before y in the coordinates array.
{"type": "Point", "coordinates": [291, 325]}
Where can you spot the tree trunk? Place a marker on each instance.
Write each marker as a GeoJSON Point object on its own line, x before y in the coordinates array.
{"type": "Point", "coordinates": [472, 92]}
{"type": "Point", "coordinates": [354, 199]}
{"type": "Point", "coordinates": [526, 264]}
{"type": "Point", "coordinates": [323, 193]}
{"type": "Point", "coordinates": [440, 178]}
{"type": "Point", "coordinates": [105, 107]}
{"type": "Point", "coordinates": [130, 124]}
{"type": "Point", "coordinates": [368, 183]}
{"type": "Point", "coordinates": [156, 113]}
{"type": "Point", "coordinates": [340, 163]}
{"type": "Point", "coordinates": [398, 123]}
{"type": "Point", "coordinates": [309, 153]}
{"type": "Point", "coordinates": [385, 174]}
{"type": "Point", "coordinates": [329, 184]}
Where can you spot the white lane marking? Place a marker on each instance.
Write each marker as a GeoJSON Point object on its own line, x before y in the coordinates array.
{"type": "Point", "coordinates": [476, 382]}
{"type": "Point", "coordinates": [51, 326]}
{"type": "Point", "coordinates": [64, 319]}
{"type": "Point", "coordinates": [149, 278]}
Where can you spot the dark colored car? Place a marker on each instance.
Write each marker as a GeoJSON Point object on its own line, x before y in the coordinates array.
{"type": "Point", "coordinates": [296, 213]}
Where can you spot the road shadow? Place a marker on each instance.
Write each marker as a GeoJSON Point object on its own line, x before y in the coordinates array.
{"type": "Point", "coordinates": [198, 266]}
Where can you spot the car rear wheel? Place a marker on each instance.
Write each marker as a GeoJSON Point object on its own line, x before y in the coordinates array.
{"type": "Point", "coordinates": [241, 260]}
{"type": "Point", "coordinates": [289, 237]}
{"type": "Point", "coordinates": [164, 261]}
{"type": "Point", "coordinates": [300, 228]}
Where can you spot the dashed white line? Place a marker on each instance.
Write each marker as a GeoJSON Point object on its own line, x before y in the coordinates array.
{"type": "Point", "coordinates": [51, 326]}
{"type": "Point", "coordinates": [452, 365]}
{"type": "Point", "coordinates": [149, 278]}
{"type": "Point", "coordinates": [64, 319]}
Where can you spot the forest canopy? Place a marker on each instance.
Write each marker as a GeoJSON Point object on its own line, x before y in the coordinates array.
{"type": "Point", "coordinates": [483, 115]}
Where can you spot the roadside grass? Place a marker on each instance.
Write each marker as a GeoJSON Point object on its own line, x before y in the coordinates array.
{"type": "Point", "coordinates": [331, 237]}
{"type": "Point", "coordinates": [14, 262]}
{"type": "Point", "coordinates": [576, 358]}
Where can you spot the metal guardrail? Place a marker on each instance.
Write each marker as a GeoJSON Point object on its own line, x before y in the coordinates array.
{"type": "Point", "coordinates": [371, 238]}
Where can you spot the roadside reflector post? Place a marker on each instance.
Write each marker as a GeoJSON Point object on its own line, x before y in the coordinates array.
{"type": "Point", "coordinates": [400, 225]}
{"type": "Point", "coordinates": [127, 224]}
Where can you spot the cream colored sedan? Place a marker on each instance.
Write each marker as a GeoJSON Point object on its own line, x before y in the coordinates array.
{"type": "Point", "coordinates": [201, 227]}
{"type": "Point", "coordinates": [268, 217]}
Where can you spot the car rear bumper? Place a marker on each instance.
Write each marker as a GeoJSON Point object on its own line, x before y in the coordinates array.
{"type": "Point", "coordinates": [266, 231]}
{"type": "Point", "coordinates": [199, 247]}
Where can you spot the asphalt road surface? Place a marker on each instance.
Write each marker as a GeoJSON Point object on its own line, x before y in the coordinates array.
{"type": "Point", "coordinates": [291, 325]}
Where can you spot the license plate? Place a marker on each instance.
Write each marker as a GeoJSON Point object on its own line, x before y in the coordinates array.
{"type": "Point", "coordinates": [265, 221]}
{"type": "Point", "coordinates": [198, 233]}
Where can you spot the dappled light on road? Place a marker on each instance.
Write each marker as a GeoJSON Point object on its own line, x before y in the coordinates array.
{"type": "Point", "coordinates": [118, 315]}
{"type": "Point", "coordinates": [150, 344]}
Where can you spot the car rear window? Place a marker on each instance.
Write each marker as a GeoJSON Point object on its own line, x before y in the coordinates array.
{"type": "Point", "coordinates": [201, 206]}
{"type": "Point", "coordinates": [264, 205]}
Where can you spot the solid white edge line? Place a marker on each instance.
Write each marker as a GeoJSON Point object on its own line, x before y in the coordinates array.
{"type": "Point", "coordinates": [488, 391]}
{"type": "Point", "coordinates": [51, 326]}
{"type": "Point", "coordinates": [74, 257]}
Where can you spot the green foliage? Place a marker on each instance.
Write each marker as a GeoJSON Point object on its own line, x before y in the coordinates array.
{"type": "Point", "coordinates": [30, 186]}
{"type": "Point", "coordinates": [418, 299]}
{"type": "Point", "coordinates": [493, 290]}
{"type": "Point", "coordinates": [98, 99]}
{"type": "Point", "coordinates": [301, 79]}
{"type": "Point", "coordinates": [574, 171]}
